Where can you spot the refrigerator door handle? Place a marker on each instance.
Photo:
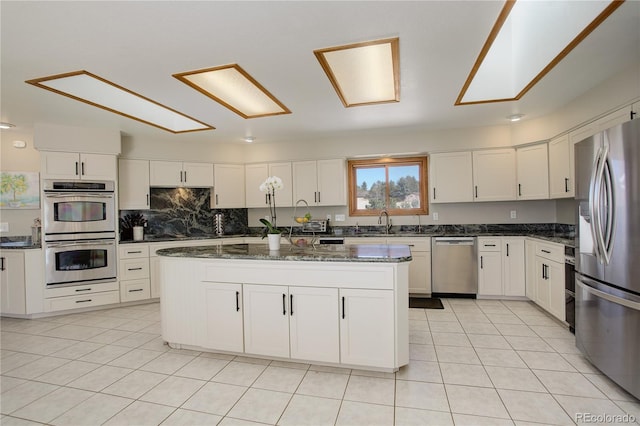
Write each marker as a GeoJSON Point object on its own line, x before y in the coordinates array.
{"type": "Point", "coordinates": [611, 298]}
{"type": "Point", "coordinates": [595, 190]}
{"type": "Point", "coordinates": [609, 207]}
{"type": "Point", "coordinates": [602, 208]}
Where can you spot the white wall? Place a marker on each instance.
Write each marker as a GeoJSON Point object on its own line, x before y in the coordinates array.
{"type": "Point", "coordinates": [18, 160]}
{"type": "Point", "coordinates": [199, 151]}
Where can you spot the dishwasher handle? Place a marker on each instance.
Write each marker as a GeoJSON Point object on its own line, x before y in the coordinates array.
{"type": "Point", "coordinates": [455, 241]}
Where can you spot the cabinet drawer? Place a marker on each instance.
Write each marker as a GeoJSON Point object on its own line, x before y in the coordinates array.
{"type": "Point", "coordinates": [489, 244]}
{"type": "Point", "coordinates": [134, 269]}
{"type": "Point", "coordinates": [82, 301]}
{"type": "Point", "coordinates": [135, 290]}
{"type": "Point", "coordinates": [551, 251]}
{"type": "Point", "coordinates": [133, 251]}
{"type": "Point", "coordinates": [416, 244]}
{"type": "Point", "coordinates": [81, 289]}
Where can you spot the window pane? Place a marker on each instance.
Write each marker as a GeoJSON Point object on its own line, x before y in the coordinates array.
{"type": "Point", "coordinates": [371, 182]}
{"type": "Point", "coordinates": [404, 187]}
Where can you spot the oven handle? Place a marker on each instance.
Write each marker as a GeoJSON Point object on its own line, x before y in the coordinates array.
{"type": "Point", "coordinates": [76, 195]}
{"type": "Point", "coordinates": [82, 243]}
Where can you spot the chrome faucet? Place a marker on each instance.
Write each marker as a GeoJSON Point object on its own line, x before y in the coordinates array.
{"type": "Point", "coordinates": [387, 221]}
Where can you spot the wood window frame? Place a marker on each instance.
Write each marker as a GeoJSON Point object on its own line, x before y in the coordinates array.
{"type": "Point", "coordinates": [353, 165]}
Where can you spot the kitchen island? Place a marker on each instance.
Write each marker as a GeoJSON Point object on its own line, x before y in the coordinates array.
{"type": "Point", "coordinates": [335, 305]}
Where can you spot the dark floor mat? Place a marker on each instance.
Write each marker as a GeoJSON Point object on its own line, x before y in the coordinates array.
{"type": "Point", "coordinates": [425, 303]}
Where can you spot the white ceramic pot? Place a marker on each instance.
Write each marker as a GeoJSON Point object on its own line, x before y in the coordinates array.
{"type": "Point", "coordinates": [138, 233]}
{"type": "Point", "coordinates": [274, 241]}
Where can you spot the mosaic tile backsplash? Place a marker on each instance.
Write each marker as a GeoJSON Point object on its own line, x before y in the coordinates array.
{"type": "Point", "coordinates": [178, 212]}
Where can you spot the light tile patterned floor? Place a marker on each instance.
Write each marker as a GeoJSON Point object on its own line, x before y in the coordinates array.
{"type": "Point", "coordinates": [476, 362]}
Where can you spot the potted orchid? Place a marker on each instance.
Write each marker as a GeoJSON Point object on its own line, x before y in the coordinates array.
{"type": "Point", "coordinates": [270, 186]}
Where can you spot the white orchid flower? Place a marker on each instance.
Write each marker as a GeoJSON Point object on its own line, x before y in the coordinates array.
{"type": "Point", "coordinates": [272, 183]}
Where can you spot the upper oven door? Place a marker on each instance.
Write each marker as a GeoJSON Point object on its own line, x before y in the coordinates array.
{"type": "Point", "coordinates": [69, 212]}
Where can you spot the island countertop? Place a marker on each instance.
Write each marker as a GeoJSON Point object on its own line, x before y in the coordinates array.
{"type": "Point", "coordinates": [379, 253]}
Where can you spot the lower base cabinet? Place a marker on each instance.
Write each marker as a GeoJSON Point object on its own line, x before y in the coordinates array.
{"type": "Point", "coordinates": [21, 281]}
{"type": "Point", "coordinates": [221, 315]}
{"type": "Point", "coordinates": [547, 276]}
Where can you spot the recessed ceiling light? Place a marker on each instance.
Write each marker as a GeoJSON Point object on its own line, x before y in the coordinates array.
{"type": "Point", "coordinates": [528, 40]}
{"type": "Point", "coordinates": [363, 73]}
{"type": "Point", "coordinates": [249, 139]}
{"type": "Point", "coordinates": [233, 88]}
{"type": "Point", "coordinates": [515, 117]}
{"type": "Point", "coordinates": [93, 90]}
{"type": "Point", "coordinates": [6, 125]}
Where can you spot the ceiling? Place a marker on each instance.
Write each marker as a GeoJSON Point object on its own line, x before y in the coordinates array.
{"type": "Point", "coordinates": [139, 45]}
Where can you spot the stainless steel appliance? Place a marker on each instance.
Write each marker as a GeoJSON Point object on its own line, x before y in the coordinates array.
{"type": "Point", "coordinates": [454, 266]}
{"type": "Point", "coordinates": [570, 287]}
{"type": "Point", "coordinates": [608, 252]}
{"type": "Point", "coordinates": [77, 207]}
{"type": "Point", "coordinates": [80, 262]}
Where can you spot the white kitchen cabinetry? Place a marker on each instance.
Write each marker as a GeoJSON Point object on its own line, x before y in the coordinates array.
{"type": "Point", "coordinates": [133, 184]}
{"type": "Point", "coordinates": [530, 270]}
{"type": "Point", "coordinates": [494, 175]}
{"type": "Point", "coordinates": [320, 183]}
{"type": "Point", "coordinates": [266, 320]}
{"type": "Point", "coordinates": [366, 327]}
{"type": "Point", "coordinates": [255, 175]}
{"type": "Point", "coordinates": [561, 167]}
{"type": "Point", "coordinates": [451, 177]}
{"type": "Point", "coordinates": [549, 278]}
{"type": "Point", "coordinates": [229, 187]}
{"type": "Point", "coordinates": [82, 296]}
{"type": "Point", "coordinates": [21, 281]}
{"type": "Point", "coordinates": [134, 272]}
{"type": "Point", "coordinates": [501, 267]}
{"type": "Point", "coordinates": [73, 165]}
{"type": "Point", "coordinates": [176, 173]}
{"type": "Point", "coordinates": [533, 172]}
{"type": "Point", "coordinates": [221, 310]}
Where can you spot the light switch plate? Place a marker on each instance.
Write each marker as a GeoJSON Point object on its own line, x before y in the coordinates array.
{"type": "Point", "coordinates": [4, 226]}
{"type": "Point", "coordinates": [514, 214]}
{"type": "Point", "coordinates": [435, 215]}
{"type": "Point", "coordinates": [340, 218]}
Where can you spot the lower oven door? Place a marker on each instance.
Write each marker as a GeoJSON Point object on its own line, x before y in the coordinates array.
{"type": "Point", "coordinates": [78, 262]}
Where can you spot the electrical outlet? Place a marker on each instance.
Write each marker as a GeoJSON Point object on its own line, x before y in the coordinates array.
{"type": "Point", "coordinates": [340, 218]}
{"type": "Point", "coordinates": [435, 215]}
{"type": "Point", "coordinates": [4, 226]}
{"type": "Point", "coordinates": [514, 214]}
{"type": "Point", "coordinates": [328, 216]}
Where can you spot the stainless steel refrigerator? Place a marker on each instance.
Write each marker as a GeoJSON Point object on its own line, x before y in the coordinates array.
{"type": "Point", "coordinates": [608, 252]}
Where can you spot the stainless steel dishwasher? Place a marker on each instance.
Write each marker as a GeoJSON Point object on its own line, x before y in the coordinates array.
{"type": "Point", "coordinates": [454, 265]}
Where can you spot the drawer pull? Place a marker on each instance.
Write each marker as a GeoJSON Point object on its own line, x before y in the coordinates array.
{"type": "Point", "coordinates": [489, 245]}
{"type": "Point", "coordinates": [134, 269]}
{"type": "Point", "coordinates": [546, 251]}
{"type": "Point", "coordinates": [83, 289]}
{"type": "Point", "coordinates": [84, 301]}
{"type": "Point", "coordinates": [136, 289]}
{"type": "Point", "coordinates": [134, 252]}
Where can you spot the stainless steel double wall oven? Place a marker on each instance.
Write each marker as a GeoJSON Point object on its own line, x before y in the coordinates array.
{"type": "Point", "coordinates": [79, 232]}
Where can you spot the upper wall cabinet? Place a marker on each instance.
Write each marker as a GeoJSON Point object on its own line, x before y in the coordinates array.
{"type": "Point", "coordinates": [229, 187]}
{"type": "Point", "coordinates": [73, 165]}
{"type": "Point", "coordinates": [320, 183]}
{"type": "Point", "coordinates": [561, 167]}
{"type": "Point", "coordinates": [533, 172]}
{"type": "Point", "coordinates": [494, 175]}
{"type": "Point", "coordinates": [175, 173]}
{"type": "Point", "coordinates": [133, 184]}
{"type": "Point", "coordinates": [255, 175]}
{"type": "Point", "coordinates": [451, 177]}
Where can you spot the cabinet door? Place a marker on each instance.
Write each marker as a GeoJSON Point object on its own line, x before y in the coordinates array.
{"type": "Point", "coordinates": [305, 181]}
{"type": "Point", "coordinates": [266, 320]}
{"type": "Point", "coordinates": [229, 186]}
{"type": "Point", "coordinates": [420, 272]}
{"type": "Point", "coordinates": [530, 269]}
{"type": "Point", "coordinates": [494, 175]}
{"type": "Point", "coordinates": [332, 183]}
{"type": "Point", "coordinates": [555, 281]}
{"type": "Point", "coordinates": [367, 327]}
{"type": "Point", "coordinates": [165, 173]}
{"type": "Point", "coordinates": [222, 316]}
{"type": "Point", "coordinates": [542, 283]}
{"type": "Point", "coordinates": [197, 175]}
{"type": "Point", "coordinates": [560, 168]}
{"type": "Point", "coordinates": [533, 172]}
{"type": "Point", "coordinates": [98, 167]}
{"type": "Point", "coordinates": [314, 324]}
{"type": "Point", "coordinates": [284, 197]}
{"type": "Point", "coordinates": [133, 184]}
{"type": "Point", "coordinates": [12, 282]}
{"type": "Point", "coordinates": [513, 266]}
{"type": "Point", "coordinates": [60, 165]}
{"type": "Point", "coordinates": [254, 175]}
{"type": "Point", "coordinates": [451, 177]}
{"type": "Point", "coordinates": [490, 273]}
{"type": "Point", "coordinates": [154, 275]}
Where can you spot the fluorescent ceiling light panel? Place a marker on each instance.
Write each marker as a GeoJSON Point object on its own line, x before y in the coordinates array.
{"type": "Point", "coordinates": [363, 73]}
{"type": "Point", "coordinates": [93, 90]}
{"type": "Point", "coordinates": [234, 88]}
{"type": "Point", "coordinates": [528, 39]}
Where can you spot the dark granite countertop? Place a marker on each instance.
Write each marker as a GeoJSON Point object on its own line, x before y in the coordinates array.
{"type": "Point", "coordinates": [18, 243]}
{"type": "Point", "coordinates": [378, 253]}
